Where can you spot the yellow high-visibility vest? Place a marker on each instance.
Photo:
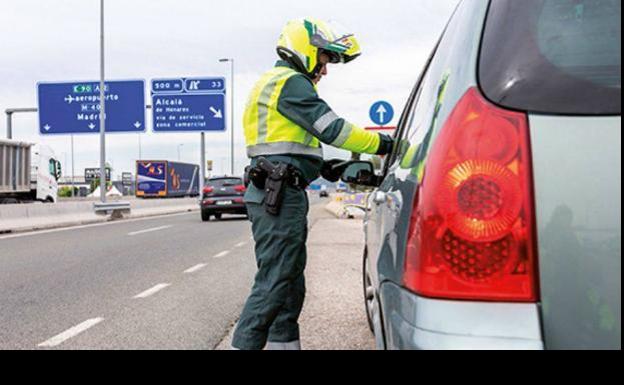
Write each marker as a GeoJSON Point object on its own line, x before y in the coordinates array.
{"type": "Point", "coordinates": [267, 131]}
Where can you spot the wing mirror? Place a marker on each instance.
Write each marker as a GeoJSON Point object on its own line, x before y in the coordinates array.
{"type": "Point", "coordinates": [59, 171]}
{"type": "Point", "coordinates": [360, 173]}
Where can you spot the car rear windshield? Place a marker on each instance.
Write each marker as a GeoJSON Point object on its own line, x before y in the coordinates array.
{"type": "Point", "coordinates": [554, 56]}
{"type": "Point", "coordinates": [225, 182]}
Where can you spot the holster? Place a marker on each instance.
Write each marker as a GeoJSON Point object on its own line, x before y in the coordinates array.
{"type": "Point", "coordinates": [272, 178]}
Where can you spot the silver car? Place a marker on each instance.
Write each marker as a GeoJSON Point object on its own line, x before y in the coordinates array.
{"type": "Point", "coordinates": [498, 221]}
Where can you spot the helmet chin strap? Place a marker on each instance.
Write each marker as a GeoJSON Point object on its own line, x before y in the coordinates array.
{"type": "Point", "coordinates": [315, 72]}
{"type": "Point", "coordinates": [290, 58]}
{"type": "Point", "coordinates": [319, 66]}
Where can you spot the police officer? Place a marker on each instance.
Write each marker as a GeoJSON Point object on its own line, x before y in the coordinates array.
{"type": "Point", "coordinates": [285, 121]}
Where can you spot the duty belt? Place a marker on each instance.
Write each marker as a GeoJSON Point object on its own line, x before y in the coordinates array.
{"type": "Point", "coordinates": [273, 178]}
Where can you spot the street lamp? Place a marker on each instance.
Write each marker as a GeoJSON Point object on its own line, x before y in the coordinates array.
{"type": "Point", "coordinates": [231, 61]}
{"type": "Point", "coordinates": [102, 110]}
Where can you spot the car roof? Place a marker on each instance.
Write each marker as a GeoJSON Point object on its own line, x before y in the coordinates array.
{"type": "Point", "coordinates": [224, 177]}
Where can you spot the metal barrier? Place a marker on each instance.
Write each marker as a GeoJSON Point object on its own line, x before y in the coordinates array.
{"type": "Point", "coordinates": [115, 209]}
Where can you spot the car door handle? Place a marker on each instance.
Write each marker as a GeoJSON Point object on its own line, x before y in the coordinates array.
{"type": "Point", "coordinates": [380, 198]}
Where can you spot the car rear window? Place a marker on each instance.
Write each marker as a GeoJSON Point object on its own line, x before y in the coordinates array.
{"type": "Point", "coordinates": [225, 182]}
{"type": "Point", "coordinates": [554, 56]}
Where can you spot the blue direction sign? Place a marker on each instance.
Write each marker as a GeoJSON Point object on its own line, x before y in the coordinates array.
{"type": "Point", "coordinates": [188, 104]}
{"type": "Point", "coordinates": [381, 113]}
{"type": "Point", "coordinates": [74, 108]}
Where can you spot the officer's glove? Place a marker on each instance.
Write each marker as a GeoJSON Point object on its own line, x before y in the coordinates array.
{"type": "Point", "coordinates": [386, 144]}
{"type": "Point", "coordinates": [332, 169]}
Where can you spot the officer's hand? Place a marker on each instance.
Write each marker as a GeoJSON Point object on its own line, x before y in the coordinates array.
{"type": "Point", "coordinates": [386, 143]}
{"type": "Point", "coordinates": [332, 171]}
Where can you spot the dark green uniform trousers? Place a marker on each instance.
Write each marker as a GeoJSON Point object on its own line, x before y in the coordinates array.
{"type": "Point", "coordinates": [272, 310]}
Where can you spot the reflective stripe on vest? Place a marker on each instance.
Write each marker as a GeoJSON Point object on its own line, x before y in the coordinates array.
{"type": "Point", "coordinates": [267, 131]}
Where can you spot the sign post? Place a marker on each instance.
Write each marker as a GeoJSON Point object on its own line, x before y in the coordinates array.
{"type": "Point", "coordinates": [126, 179]}
{"type": "Point", "coordinates": [91, 174]}
{"type": "Point", "coordinates": [102, 110]}
{"type": "Point", "coordinates": [76, 108]}
{"type": "Point", "coordinates": [381, 113]}
{"type": "Point", "coordinates": [189, 105]}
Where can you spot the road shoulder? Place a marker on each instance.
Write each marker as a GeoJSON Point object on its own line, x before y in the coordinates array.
{"type": "Point", "coordinates": [333, 316]}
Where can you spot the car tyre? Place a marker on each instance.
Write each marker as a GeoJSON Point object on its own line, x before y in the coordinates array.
{"type": "Point", "coordinates": [218, 216]}
{"type": "Point", "coordinates": [205, 216]}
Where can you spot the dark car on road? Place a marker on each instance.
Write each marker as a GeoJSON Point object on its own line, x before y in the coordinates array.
{"type": "Point", "coordinates": [324, 193]}
{"type": "Point", "coordinates": [497, 223]}
{"type": "Point", "coordinates": [223, 195]}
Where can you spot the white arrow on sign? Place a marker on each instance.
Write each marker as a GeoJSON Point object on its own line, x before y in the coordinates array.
{"type": "Point", "coordinates": [217, 113]}
{"type": "Point", "coordinates": [381, 111]}
{"type": "Point", "coordinates": [47, 127]}
{"type": "Point", "coordinates": [137, 124]}
{"type": "Point", "coordinates": [91, 126]}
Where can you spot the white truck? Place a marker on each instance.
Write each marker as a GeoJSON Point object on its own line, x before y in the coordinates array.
{"type": "Point", "coordinates": [28, 173]}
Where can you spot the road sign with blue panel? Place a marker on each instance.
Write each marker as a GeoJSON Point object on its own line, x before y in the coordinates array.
{"type": "Point", "coordinates": [74, 107]}
{"type": "Point", "coordinates": [381, 113]}
{"type": "Point", "coordinates": [188, 104]}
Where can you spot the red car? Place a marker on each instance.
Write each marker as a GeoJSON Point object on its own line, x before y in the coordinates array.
{"type": "Point", "coordinates": [223, 195]}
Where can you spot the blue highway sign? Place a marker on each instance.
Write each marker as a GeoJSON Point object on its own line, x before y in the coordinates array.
{"type": "Point", "coordinates": [188, 104]}
{"type": "Point", "coordinates": [381, 113]}
{"type": "Point", "coordinates": [74, 107]}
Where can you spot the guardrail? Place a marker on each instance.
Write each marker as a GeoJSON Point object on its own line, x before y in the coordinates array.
{"type": "Point", "coordinates": [115, 209]}
{"type": "Point", "coordinates": [23, 217]}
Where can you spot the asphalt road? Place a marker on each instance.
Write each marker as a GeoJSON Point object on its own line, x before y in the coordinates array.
{"type": "Point", "coordinates": [171, 282]}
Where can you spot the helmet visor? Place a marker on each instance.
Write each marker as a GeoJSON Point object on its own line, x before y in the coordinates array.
{"type": "Point", "coordinates": [333, 39]}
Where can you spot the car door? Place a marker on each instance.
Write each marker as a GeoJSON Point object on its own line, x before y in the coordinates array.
{"type": "Point", "coordinates": [385, 202]}
{"type": "Point", "coordinates": [441, 83]}
{"type": "Point", "coordinates": [380, 223]}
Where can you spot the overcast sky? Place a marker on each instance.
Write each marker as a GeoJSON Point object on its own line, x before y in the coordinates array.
{"type": "Point", "coordinates": [58, 40]}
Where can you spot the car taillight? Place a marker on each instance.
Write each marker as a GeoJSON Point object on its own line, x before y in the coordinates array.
{"type": "Point", "coordinates": [471, 234]}
{"type": "Point", "coordinates": [208, 190]}
{"type": "Point", "coordinates": [240, 188]}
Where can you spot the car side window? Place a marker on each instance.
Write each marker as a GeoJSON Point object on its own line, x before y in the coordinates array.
{"type": "Point", "coordinates": [406, 122]}
{"type": "Point", "coordinates": [411, 122]}
{"type": "Point", "coordinates": [414, 121]}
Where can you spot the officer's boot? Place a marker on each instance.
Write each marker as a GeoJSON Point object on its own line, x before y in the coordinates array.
{"type": "Point", "coordinates": [293, 345]}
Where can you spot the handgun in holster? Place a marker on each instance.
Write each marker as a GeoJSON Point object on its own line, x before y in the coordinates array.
{"type": "Point", "coordinates": [272, 179]}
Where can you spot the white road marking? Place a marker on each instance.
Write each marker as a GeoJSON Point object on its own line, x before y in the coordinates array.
{"type": "Point", "coordinates": [70, 333]}
{"type": "Point", "coordinates": [222, 254]}
{"type": "Point", "coordinates": [152, 291]}
{"type": "Point", "coordinates": [149, 230]}
{"type": "Point", "coordinates": [241, 244]}
{"type": "Point", "coordinates": [195, 268]}
{"type": "Point", "coordinates": [39, 232]}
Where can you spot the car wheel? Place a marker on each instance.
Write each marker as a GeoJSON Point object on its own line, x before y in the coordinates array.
{"type": "Point", "coordinates": [369, 292]}
{"type": "Point", "coordinates": [218, 216]}
{"type": "Point", "coordinates": [205, 216]}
